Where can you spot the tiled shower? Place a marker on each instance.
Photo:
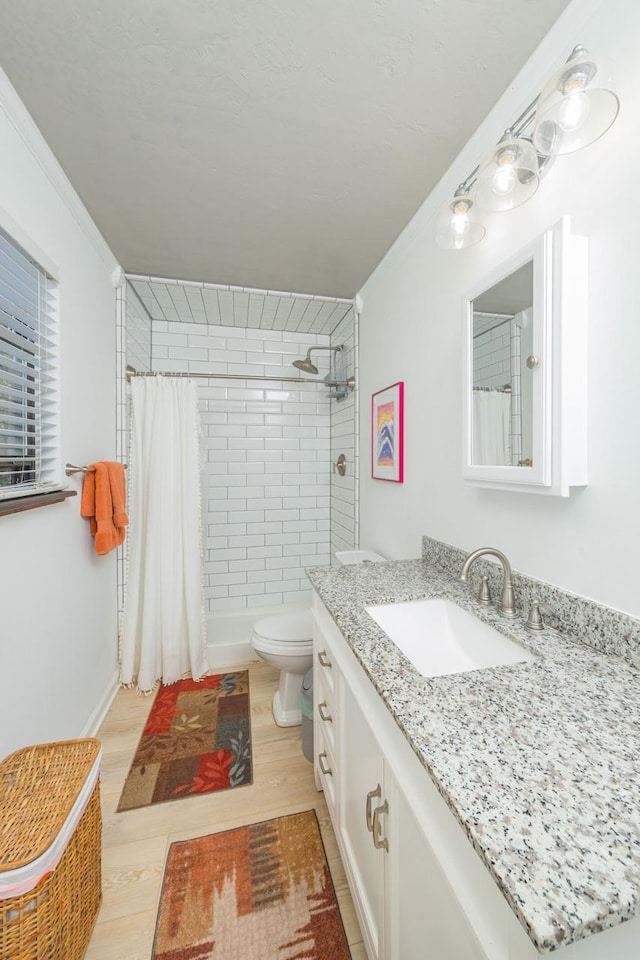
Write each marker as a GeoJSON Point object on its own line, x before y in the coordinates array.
{"type": "Point", "coordinates": [272, 501]}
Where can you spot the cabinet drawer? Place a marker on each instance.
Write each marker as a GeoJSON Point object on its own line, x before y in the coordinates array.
{"type": "Point", "coordinates": [324, 710]}
{"type": "Point", "coordinates": [325, 766]}
{"type": "Point", "coordinates": [323, 665]}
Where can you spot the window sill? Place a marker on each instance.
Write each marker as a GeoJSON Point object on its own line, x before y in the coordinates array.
{"type": "Point", "coordinates": [20, 504]}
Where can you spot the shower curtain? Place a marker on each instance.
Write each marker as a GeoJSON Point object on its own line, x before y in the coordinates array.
{"type": "Point", "coordinates": [163, 632]}
{"type": "Point", "coordinates": [491, 428]}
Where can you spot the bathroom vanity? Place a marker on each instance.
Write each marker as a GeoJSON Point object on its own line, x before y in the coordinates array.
{"type": "Point", "coordinates": [485, 815]}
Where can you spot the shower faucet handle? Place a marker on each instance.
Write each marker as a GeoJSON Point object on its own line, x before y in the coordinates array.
{"type": "Point", "coordinates": [340, 466]}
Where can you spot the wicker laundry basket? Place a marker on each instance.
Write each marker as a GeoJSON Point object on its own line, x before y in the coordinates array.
{"type": "Point", "coordinates": [50, 841]}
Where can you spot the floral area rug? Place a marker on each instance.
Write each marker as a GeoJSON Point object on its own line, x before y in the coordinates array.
{"type": "Point", "coordinates": [262, 892]}
{"type": "Point", "coordinates": [197, 739]}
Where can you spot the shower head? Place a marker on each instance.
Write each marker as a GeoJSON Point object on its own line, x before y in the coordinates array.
{"type": "Point", "coordinates": [306, 365]}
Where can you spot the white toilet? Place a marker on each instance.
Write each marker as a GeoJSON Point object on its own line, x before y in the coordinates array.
{"type": "Point", "coordinates": [285, 640]}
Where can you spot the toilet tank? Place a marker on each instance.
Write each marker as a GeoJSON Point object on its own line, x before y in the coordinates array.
{"type": "Point", "coordinates": [345, 557]}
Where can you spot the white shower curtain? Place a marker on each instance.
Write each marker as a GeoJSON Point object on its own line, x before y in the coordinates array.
{"type": "Point", "coordinates": [491, 427]}
{"type": "Point", "coordinates": [163, 632]}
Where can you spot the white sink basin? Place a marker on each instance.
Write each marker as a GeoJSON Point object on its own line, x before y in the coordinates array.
{"type": "Point", "coordinates": [439, 637]}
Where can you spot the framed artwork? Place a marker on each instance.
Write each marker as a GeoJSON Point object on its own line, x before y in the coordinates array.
{"type": "Point", "coordinates": [387, 433]}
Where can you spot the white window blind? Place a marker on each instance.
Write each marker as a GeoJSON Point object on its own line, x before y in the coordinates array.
{"type": "Point", "coordinates": [29, 461]}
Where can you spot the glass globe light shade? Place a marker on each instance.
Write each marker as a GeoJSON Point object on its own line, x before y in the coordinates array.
{"type": "Point", "coordinates": [457, 226]}
{"type": "Point", "coordinates": [576, 106]}
{"type": "Point", "coordinates": [509, 177]}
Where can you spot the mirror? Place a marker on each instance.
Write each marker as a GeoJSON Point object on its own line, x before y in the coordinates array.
{"type": "Point", "coordinates": [502, 334]}
{"type": "Point", "coordinates": [525, 368]}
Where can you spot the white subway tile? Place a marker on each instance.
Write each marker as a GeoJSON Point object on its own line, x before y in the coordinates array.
{"type": "Point", "coordinates": [281, 420]}
{"type": "Point", "coordinates": [264, 552]}
{"type": "Point", "coordinates": [279, 490]}
{"type": "Point", "coordinates": [229, 431]}
{"type": "Point", "coordinates": [229, 578]}
{"type": "Point", "coordinates": [264, 576]}
{"type": "Point", "coordinates": [240, 565]}
{"type": "Point", "coordinates": [282, 514]}
{"type": "Point", "coordinates": [240, 492]}
{"type": "Point", "coordinates": [229, 529]}
{"type": "Point", "coordinates": [274, 539]}
{"type": "Point", "coordinates": [263, 431]}
{"type": "Point", "coordinates": [232, 553]}
{"type": "Point", "coordinates": [246, 443]}
{"type": "Point", "coordinates": [281, 563]}
{"type": "Point", "coordinates": [267, 599]}
{"type": "Point", "coordinates": [246, 419]}
{"type": "Point", "coordinates": [298, 503]}
{"type": "Point", "coordinates": [245, 468]}
{"type": "Point", "coordinates": [246, 516]}
{"type": "Point", "coordinates": [264, 503]}
{"type": "Point", "coordinates": [264, 528]}
{"type": "Point", "coordinates": [299, 549]}
{"type": "Point", "coordinates": [216, 516]}
{"type": "Point", "coordinates": [246, 589]}
{"type": "Point", "coordinates": [255, 542]}
{"type": "Point", "coordinates": [297, 526]}
{"type": "Point", "coordinates": [223, 480]}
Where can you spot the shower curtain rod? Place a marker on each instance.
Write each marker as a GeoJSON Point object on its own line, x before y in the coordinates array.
{"type": "Point", "coordinates": [350, 383]}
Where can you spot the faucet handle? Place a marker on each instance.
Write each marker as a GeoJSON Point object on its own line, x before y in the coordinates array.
{"type": "Point", "coordinates": [484, 596]}
{"type": "Point", "coordinates": [535, 623]}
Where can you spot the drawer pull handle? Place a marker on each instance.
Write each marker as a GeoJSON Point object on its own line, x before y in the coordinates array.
{"type": "Point", "coordinates": [379, 842]}
{"type": "Point", "coordinates": [323, 659]}
{"type": "Point", "coordinates": [328, 771]}
{"type": "Point", "coordinates": [371, 796]}
{"type": "Point", "coordinates": [324, 713]}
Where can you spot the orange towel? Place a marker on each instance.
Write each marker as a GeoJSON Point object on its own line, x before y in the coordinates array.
{"type": "Point", "coordinates": [104, 502]}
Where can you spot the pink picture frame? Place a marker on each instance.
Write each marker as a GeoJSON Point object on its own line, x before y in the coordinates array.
{"type": "Point", "coordinates": [387, 433]}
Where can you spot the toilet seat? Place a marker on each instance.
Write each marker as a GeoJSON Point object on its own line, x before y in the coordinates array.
{"type": "Point", "coordinates": [288, 648]}
{"type": "Point", "coordinates": [293, 627]}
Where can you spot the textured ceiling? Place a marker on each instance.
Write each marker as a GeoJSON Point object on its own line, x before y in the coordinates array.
{"type": "Point", "coordinates": [267, 143]}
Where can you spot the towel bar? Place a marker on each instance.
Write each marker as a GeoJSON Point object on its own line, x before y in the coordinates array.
{"type": "Point", "coordinates": [70, 469]}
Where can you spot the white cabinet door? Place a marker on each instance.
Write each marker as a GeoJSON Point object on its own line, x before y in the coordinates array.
{"type": "Point", "coordinates": [360, 774]}
{"type": "Point", "coordinates": [424, 920]}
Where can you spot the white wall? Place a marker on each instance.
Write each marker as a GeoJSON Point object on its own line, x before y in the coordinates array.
{"type": "Point", "coordinates": [411, 330]}
{"type": "Point", "coordinates": [57, 598]}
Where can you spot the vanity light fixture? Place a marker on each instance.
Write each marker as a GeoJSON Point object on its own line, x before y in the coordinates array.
{"type": "Point", "coordinates": [576, 107]}
{"type": "Point", "coordinates": [457, 224]}
{"type": "Point", "coordinates": [509, 176]}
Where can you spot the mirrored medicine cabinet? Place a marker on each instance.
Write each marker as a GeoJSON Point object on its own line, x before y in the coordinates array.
{"type": "Point", "coordinates": [525, 369]}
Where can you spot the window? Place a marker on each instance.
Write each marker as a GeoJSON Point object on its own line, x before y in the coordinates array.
{"type": "Point", "coordinates": [29, 461]}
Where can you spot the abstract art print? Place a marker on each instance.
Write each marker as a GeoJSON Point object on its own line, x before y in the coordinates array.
{"type": "Point", "coordinates": [387, 433]}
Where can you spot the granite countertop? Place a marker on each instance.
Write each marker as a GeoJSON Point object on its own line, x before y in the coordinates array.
{"type": "Point", "coordinates": [538, 761]}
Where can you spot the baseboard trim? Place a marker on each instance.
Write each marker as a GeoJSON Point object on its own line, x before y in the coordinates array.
{"type": "Point", "coordinates": [94, 722]}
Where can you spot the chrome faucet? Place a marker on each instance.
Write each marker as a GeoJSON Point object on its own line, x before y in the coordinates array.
{"type": "Point", "coordinates": [508, 604]}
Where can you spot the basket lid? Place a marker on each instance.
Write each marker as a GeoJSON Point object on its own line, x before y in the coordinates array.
{"type": "Point", "coordinates": [38, 788]}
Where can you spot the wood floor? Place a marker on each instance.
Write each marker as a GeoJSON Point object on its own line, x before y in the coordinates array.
{"type": "Point", "coordinates": [135, 842]}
